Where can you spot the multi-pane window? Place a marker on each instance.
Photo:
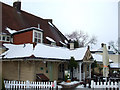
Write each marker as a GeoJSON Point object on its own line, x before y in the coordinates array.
{"type": "Point", "coordinates": [37, 36]}
{"type": "Point", "coordinates": [5, 38]}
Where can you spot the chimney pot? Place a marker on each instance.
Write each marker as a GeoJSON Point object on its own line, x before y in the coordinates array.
{"type": "Point", "coordinates": [17, 5]}
{"type": "Point", "coordinates": [102, 45]}
{"type": "Point", "coordinates": [88, 47]}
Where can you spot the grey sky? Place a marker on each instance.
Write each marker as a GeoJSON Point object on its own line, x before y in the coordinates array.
{"type": "Point", "coordinates": [95, 17]}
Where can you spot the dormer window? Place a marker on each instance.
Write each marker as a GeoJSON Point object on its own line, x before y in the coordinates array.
{"type": "Point", "coordinates": [37, 36]}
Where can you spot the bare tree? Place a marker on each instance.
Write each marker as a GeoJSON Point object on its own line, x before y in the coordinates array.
{"type": "Point", "coordinates": [83, 38]}
{"type": "Point", "coordinates": [115, 46]}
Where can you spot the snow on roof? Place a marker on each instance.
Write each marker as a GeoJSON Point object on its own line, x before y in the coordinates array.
{"type": "Point", "coordinates": [62, 43]}
{"type": "Point", "coordinates": [66, 41]}
{"type": "Point", "coordinates": [1, 33]}
{"type": "Point", "coordinates": [58, 52]}
{"type": "Point", "coordinates": [16, 51]}
{"type": "Point", "coordinates": [50, 24]}
{"type": "Point", "coordinates": [43, 51]}
{"type": "Point", "coordinates": [115, 65]}
{"type": "Point", "coordinates": [98, 57]}
{"type": "Point", "coordinates": [10, 31]}
{"type": "Point", "coordinates": [50, 39]}
{"type": "Point", "coordinates": [101, 49]}
{"type": "Point", "coordinates": [17, 0]}
{"type": "Point", "coordinates": [27, 29]}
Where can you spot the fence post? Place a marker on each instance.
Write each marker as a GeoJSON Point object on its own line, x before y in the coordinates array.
{"type": "Point", "coordinates": [27, 84]}
{"type": "Point", "coordinates": [112, 85]}
{"type": "Point", "coordinates": [116, 86]}
{"type": "Point", "coordinates": [104, 85]}
{"type": "Point", "coordinates": [92, 82]}
{"type": "Point", "coordinates": [108, 84]}
{"type": "Point", "coordinates": [55, 84]}
{"type": "Point", "coordinates": [119, 85]}
{"type": "Point", "coordinates": [98, 85]}
{"type": "Point", "coordinates": [7, 84]}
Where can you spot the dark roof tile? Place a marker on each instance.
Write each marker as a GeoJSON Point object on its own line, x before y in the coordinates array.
{"type": "Point", "coordinates": [21, 20]}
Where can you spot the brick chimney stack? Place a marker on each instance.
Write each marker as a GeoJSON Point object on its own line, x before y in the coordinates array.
{"type": "Point", "coordinates": [17, 5]}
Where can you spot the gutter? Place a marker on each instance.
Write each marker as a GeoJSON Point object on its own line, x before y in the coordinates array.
{"type": "Point", "coordinates": [34, 59]}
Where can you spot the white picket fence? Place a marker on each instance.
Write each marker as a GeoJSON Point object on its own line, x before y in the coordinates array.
{"type": "Point", "coordinates": [28, 84]}
{"type": "Point", "coordinates": [105, 85]}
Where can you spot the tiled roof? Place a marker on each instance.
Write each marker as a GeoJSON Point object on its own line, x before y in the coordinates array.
{"type": "Point", "coordinates": [22, 20]}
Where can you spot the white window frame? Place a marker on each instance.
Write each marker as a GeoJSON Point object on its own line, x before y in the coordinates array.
{"type": "Point", "coordinates": [41, 38]}
{"type": "Point", "coordinates": [1, 39]}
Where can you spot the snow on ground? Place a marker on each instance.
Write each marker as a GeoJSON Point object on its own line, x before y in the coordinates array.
{"type": "Point", "coordinates": [69, 83]}
{"type": "Point", "coordinates": [59, 86]}
{"type": "Point", "coordinates": [80, 86]}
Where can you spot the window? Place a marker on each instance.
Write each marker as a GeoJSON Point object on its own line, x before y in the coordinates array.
{"type": "Point", "coordinates": [0, 37]}
{"type": "Point", "coordinates": [8, 39]}
{"type": "Point", "coordinates": [5, 38]}
{"type": "Point", "coordinates": [41, 68]}
{"type": "Point", "coordinates": [37, 36]}
{"type": "Point", "coordinates": [46, 71]}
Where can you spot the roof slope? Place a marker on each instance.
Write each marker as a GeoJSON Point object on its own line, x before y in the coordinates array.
{"type": "Point", "coordinates": [21, 20]}
{"type": "Point", "coordinates": [99, 58]}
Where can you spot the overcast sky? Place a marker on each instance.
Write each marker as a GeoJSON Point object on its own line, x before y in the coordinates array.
{"type": "Point", "coordinates": [95, 17]}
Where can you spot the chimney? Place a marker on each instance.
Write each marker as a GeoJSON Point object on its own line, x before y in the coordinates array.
{"type": "Point", "coordinates": [49, 20]}
{"type": "Point", "coordinates": [72, 45]}
{"type": "Point", "coordinates": [88, 47]}
{"type": "Point", "coordinates": [17, 5]}
{"type": "Point", "coordinates": [109, 47]}
{"type": "Point", "coordinates": [102, 45]}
